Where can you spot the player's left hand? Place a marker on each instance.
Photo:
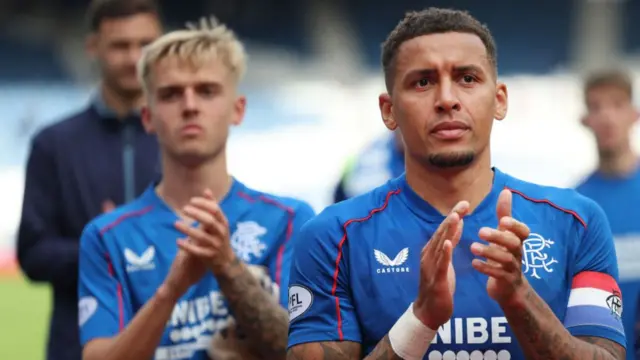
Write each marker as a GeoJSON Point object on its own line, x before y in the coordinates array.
{"type": "Point", "coordinates": [210, 240]}
{"type": "Point", "coordinates": [503, 254]}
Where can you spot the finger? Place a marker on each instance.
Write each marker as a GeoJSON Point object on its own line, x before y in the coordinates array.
{"type": "Point", "coordinates": [436, 239]}
{"type": "Point", "coordinates": [458, 234]}
{"type": "Point", "coordinates": [495, 255]}
{"type": "Point", "coordinates": [197, 234]}
{"type": "Point", "coordinates": [520, 229]}
{"type": "Point", "coordinates": [504, 204]}
{"type": "Point", "coordinates": [198, 214]}
{"type": "Point", "coordinates": [443, 261]}
{"type": "Point", "coordinates": [195, 250]}
{"type": "Point", "coordinates": [492, 270]}
{"type": "Point", "coordinates": [211, 207]}
{"type": "Point", "coordinates": [462, 208]}
{"type": "Point", "coordinates": [449, 227]}
{"type": "Point", "coordinates": [506, 239]}
{"type": "Point", "coordinates": [208, 194]}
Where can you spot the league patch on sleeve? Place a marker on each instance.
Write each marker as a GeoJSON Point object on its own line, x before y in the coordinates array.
{"type": "Point", "coordinates": [87, 306]}
{"type": "Point", "coordinates": [595, 300]}
{"type": "Point", "coordinates": [300, 300]}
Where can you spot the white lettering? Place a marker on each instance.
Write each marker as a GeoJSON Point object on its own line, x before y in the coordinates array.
{"type": "Point", "coordinates": [190, 312]}
{"type": "Point", "coordinates": [474, 330]}
{"type": "Point", "coordinates": [475, 326]}
{"type": "Point", "coordinates": [498, 330]}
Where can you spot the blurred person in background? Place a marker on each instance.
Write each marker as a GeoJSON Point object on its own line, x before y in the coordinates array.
{"type": "Point", "coordinates": [88, 163]}
{"type": "Point", "coordinates": [181, 255]}
{"type": "Point", "coordinates": [381, 160]}
{"type": "Point", "coordinates": [615, 184]}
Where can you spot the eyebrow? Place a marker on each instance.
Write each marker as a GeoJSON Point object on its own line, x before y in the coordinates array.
{"type": "Point", "coordinates": [456, 70]}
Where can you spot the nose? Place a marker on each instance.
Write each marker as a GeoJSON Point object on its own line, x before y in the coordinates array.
{"type": "Point", "coordinates": [190, 103]}
{"type": "Point", "coordinates": [447, 100]}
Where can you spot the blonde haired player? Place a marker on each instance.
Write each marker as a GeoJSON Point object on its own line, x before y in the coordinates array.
{"type": "Point", "coordinates": [154, 285]}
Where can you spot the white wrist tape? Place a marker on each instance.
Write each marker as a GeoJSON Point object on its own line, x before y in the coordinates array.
{"type": "Point", "coordinates": [409, 337]}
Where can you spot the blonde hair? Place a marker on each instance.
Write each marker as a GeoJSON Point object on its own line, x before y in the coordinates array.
{"type": "Point", "coordinates": [198, 45]}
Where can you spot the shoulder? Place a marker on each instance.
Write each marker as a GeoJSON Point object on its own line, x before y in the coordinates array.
{"type": "Point", "coordinates": [555, 199]}
{"type": "Point", "coordinates": [62, 128]}
{"type": "Point", "coordinates": [273, 203]}
{"type": "Point", "coordinates": [110, 222]}
{"type": "Point", "coordinates": [357, 209]}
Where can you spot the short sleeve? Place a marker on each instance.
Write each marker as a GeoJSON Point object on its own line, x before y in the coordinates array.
{"type": "Point", "coordinates": [320, 304]}
{"type": "Point", "coordinates": [102, 310]}
{"type": "Point", "coordinates": [280, 268]}
{"type": "Point", "coordinates": [595, 301]}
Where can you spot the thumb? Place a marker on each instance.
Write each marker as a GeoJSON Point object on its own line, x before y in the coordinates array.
{"type": "Point", "coordinates": [503, 208]}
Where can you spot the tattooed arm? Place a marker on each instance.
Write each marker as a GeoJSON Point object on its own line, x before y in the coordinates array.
{"type": "Point", "coordinates": [344, 350]}
{"type": "Point", "coordinates": [543, 337]}
{"type": "Point", "coordinates": [256, 312]}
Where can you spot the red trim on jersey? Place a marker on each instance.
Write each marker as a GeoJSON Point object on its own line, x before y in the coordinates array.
{"type": "Point", "coordinates": [123, 217]}
{"type": "Point", "coordinates": [548, 202]}
{"type": "Point", "coordinates": [118, 293]}
{"type": "Point", "coordinates": [595, 280]}
{"type": "Point", "coordinates": [339, 256]}
{"type": "Point", "coordinates": [289, 232]}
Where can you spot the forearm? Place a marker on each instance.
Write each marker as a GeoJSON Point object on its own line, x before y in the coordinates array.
{"type": "Point", "coordinates": [141, 337]}
{"type": "Point", "coordinates": [257, 314]}
{"type": "Point", "coordinates": [383, 351]}
{"type": "Point", "coordinates": [50, 259]}
{"type": "Point", "coordinates": [542, 336]}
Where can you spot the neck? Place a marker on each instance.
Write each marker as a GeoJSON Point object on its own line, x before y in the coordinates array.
{"type": "Point", "coordinates": [122, 104]}
{"type": "Point", "coordinates": [618, 163]}
{"type": "Point", "coordinates": [444, 188]}
{"type": "Point", "coordinates": [180, 183]}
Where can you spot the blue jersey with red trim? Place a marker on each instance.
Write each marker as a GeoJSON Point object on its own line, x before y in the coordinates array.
{"type": "Point", "coordinates": [355, 269]}
{"type": "Point", "coordinates": [126, 254]}
{"type": "Point", "coordinates": [619, 198]}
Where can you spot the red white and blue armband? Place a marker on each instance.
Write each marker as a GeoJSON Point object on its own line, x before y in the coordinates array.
{"type": "Point", "coordinates": [595, 301]}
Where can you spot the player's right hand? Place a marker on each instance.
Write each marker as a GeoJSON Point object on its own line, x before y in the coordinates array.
{"type": "Point", "coordinates": [434, 305]}
{"type": "Point", "coordinates": [185, 271]}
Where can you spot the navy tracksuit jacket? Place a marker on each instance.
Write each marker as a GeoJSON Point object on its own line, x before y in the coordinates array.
{"type": "Point", "coordinates": [74, 166]}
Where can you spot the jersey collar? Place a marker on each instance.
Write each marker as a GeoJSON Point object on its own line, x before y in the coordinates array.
{"type": "Point", "coordinates": [485, 211]}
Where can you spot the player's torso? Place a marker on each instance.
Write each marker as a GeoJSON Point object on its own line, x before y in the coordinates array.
{"type": "Point", "coordinates": [384, 260]}
{"type": "Point", "coordinates": [145, 249]}
{"type": "Point", "coordinates": [619, 198]}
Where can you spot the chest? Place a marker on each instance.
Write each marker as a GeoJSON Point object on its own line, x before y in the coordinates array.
{"type": "Point", "coordinates": [101, 167]}
{"type": "Point", "coordinates": [384, 273]}
{"type": "Point", "coordinates": [146, 257]}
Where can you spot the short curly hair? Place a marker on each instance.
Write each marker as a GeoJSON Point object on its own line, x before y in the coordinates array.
{"type": "Point", "coordinates": [433, 21]}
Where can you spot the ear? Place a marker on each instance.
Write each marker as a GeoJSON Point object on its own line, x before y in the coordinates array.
{"type": "Point", "coordinates": [145, 114]}
{"type": "Point", "coordinates": [584, 120]}
{"type": "Point", "coordinates": [386, 111]}
{"type": "Point", "coordinates": [91, 45]}
{"type": "Point", "coordinates": [502, 101]}
{"type": "Point", "coordinates": [239, 108]}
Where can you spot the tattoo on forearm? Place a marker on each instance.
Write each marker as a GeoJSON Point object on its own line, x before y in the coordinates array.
{"type": "Point", "coordinates": [543, 337]}
{"type": "Point", "coordinates": [263, 321]}
{"type": "Point", "coordinates": [383, 351]}
{"type": "Point", "coordinates": [344, 350]}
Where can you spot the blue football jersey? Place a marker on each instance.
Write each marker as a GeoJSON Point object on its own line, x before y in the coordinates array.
{"type": "Point", "coordinates": [355, 269]}
{"type": "Point", "coordinates": [125, 255]}
{"type": "Point", "coordinates": [619, 198]}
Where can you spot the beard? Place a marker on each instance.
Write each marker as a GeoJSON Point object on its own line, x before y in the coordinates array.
{"type": "Point", "coordinates": [452, 159]}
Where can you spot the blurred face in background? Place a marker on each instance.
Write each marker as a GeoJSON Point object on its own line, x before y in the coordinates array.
{"type": "Point", "coordinates": [117, 45]}
{"type": "Point", "coordinates": [191, 108]}
{"type": "Point", "coordinates": [444, 99]}
{"type": "Point", "coordinates": [611, 117]}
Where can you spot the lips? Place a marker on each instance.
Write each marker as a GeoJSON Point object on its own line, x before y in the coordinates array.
{"type": "Point", "coordinates": [191, 129]}
{"type": "Point", "coordinates": [450, 130]}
